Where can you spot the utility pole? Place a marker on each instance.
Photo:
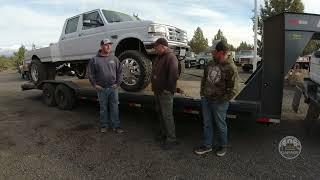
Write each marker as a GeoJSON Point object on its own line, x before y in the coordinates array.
{"type": "Point", "coordinates": [255, 35]}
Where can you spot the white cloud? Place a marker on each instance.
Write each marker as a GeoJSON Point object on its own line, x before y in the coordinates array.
{"type": "Point", "coordinates": [20, 25]}
{"type": "Point", "coordinates": [311, 6]}
{"type": "Point", "coordinates": [200, 11]}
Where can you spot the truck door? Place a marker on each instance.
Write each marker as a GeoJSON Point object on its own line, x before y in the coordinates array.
{"type": "Point", "coordinates": [69, 37]}
{"type": "Point", "coordinates": [91, 33]}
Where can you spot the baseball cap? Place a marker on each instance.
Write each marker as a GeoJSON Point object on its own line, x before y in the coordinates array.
{"type": "Point", "coordinates": [221, 46]}
{"type": "Point", "coordinates": [161, 41]}
{"type": "Point", "coordinates": [105, 41]}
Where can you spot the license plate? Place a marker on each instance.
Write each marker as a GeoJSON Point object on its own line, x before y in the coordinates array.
{"type": "Point", "coordinates": [182, 52]}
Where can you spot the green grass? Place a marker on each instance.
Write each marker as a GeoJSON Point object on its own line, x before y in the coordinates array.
{"type": "Point", "coordinates": [6, 63]}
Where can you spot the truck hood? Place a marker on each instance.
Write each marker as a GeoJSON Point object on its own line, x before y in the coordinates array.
{"type": "Point", "coordinates": [173, 33]}
{"type": "Point", "coordinates": [248, 57]}
{"type": "Point", "coordinates": [129, 24]}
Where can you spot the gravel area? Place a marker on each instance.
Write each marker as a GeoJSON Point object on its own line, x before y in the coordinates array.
{"type": "Point", "coordinates": [40, 142]}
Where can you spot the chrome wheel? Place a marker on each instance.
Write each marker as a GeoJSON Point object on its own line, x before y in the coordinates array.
{"type": "Point", "coordinates": [131, 71]}
{"type": "Point", "coordinates": [201, 62]}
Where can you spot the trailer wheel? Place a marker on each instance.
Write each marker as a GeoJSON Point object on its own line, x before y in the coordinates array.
{"type": "Point", "coordinates": [136, 70]}
{"type": "Point", "coordinates": [48, 97]}
{"type": "Point", "coordinates": [64, 97]}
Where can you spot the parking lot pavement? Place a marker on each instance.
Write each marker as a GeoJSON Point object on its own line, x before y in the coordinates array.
{"type": "Point", "coordinates": [40, 142]}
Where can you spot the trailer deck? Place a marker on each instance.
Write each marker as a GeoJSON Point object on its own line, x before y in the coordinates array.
{"type": "Point", "coordinates": [186, 102]}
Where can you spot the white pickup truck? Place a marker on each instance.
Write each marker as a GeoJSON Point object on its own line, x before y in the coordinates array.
{"type": "Point", "coordinates": [133, 44]}
{"type": "Point", "coordinates": [245, 59]}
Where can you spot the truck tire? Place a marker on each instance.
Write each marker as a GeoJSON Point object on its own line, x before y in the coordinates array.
{"type": "Point", "coordinates": [201, 64]}
{"type": "Point", "coordinates": [64, 97]}
{"type": "Point", "coordinates": [247, 68]}
{"type": "Point", "coordinates": [40, 71]}
{"type": "Point", "coordinates": [81, 70]}
{"type": "Point", "coordinates": [136, 70]}
{"type": "Point", "coordinates": [48, 97]}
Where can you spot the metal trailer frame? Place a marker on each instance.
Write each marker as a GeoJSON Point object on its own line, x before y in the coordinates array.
{"type": "Point", "coordinates": [285, 37]}
{"type": "Point", "coordinates": [182, 104]}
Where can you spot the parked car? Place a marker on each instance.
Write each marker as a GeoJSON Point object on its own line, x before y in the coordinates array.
{"type": "Point", "coordinates": [203, 58]}
{"type": "Point", "coordinates": [190, 60]}
{"type": "Point", "coordinates": [133, 42]}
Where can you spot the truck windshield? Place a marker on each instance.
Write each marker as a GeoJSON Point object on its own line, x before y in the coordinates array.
{"type": "Point", "coordinates": [113, 16]}
{"type": "Point", "coordinates": [246, 53]}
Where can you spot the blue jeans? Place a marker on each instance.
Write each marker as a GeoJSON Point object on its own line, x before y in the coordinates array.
{"type": "Point", "coordinates": [217, 112]}
{"type": "Point", "coordinates": [108, 98]}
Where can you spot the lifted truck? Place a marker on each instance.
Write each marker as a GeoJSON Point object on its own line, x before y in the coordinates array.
{"type": "Point", "coordinates": [285, 37]}
{"type": "Point", "coordinates": [133, 40]}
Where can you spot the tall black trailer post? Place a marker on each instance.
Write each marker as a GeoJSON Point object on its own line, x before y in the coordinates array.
{"type": "Point", "coordinates": [285, 37]}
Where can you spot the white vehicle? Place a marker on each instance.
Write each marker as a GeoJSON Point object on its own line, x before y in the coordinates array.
{"type": "Point", "coordinates": [133, 44]}
{"type": "Point", "coordinates": [245, 59]}
{"type": "Point", "coordinates": [315, 67]}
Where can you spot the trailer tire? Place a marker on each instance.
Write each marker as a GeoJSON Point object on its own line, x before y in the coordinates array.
{"type": "Point", "coordinates": [64, 97]}
{"type": "Point", "coordinates": [135, 60]}
{"type": "Point", "coordinates": [48, 94]}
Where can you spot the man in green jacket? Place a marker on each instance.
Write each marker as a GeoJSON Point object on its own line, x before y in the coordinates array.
{"type": "Point", "coordinates": [218, 87]}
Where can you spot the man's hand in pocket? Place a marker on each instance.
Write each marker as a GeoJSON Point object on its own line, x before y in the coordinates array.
{"type": "Point", "coordinates": [98, 88]}
{"type": "Point", "coordinates": [115, 86]}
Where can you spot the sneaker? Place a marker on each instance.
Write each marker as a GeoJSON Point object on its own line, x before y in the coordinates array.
{"type": "Point", "coordinates": [118, 130]}
{"type": "Point", "coordinates": [202, 150]}
{"type": "Point", "coordinates": [221, 152]}
{"type": "Point", "coordinates": [103, 130]}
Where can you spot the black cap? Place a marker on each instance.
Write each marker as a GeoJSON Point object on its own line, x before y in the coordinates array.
{"type": "Point", "coordinates": [221, 46]}
{"type": "Point", "coordinates": [161, 41]}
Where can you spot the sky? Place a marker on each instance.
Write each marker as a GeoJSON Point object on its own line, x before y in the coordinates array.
{"type": "Point", "coordinates": [40, 21]}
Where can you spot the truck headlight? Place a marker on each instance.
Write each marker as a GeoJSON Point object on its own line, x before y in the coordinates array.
{"type": "Point", "coordinates": [157, 30]}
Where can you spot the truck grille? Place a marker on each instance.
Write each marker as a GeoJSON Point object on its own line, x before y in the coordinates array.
{"type": "Point", "coordinates": [244, 60]}
{"type": "Point", "coordinates": [175, 34]}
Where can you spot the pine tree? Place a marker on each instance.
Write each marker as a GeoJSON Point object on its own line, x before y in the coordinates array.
{"type": "Point", "coordinates": [198, 43]}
